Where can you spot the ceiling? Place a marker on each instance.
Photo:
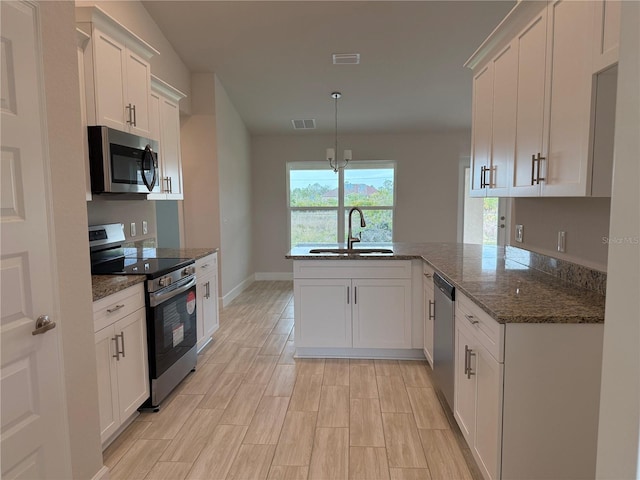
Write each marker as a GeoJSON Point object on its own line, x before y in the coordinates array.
{"type": "Point", "coordinates": [275, 59]}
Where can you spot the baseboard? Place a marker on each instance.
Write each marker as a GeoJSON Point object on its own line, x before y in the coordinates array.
{"type": "Point", "coordinates": [369, 353]}
{"type": "Point", "coordinates": [274, 276]}
{"type": "Point", "coordinates": [237, 290]}
{"type": "Point", "coordinates": [103, 474]}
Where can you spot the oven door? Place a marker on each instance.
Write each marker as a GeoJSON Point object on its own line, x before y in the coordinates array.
{"type": "Point", "coordinates": [171, 324]}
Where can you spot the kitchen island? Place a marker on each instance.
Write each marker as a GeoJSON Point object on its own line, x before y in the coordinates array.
{"type": "Point", "coordinates": [527, 342]}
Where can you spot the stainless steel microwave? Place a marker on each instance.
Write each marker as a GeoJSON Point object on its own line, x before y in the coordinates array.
{"type": "Point", "coordinates": [121, 162]}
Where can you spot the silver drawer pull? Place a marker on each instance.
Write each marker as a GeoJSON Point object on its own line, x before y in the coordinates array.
{"type": "Point", "coordinates": [206, 265]}
{"type": "Point", "coordinates": [428, 275]}
{"type": "Point", "coordinates": [471, 319]}
{"type": "Point", "coordinates": [115, 309]}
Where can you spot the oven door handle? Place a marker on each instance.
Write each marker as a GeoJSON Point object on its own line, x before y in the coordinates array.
{"type": "Point", "coordinates": [156, 299]}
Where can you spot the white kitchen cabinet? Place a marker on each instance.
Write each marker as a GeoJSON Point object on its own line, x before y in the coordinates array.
{"type": "Point", "coordinates": [117, 73]}
{"type": "Point", "coordinates": [121, 356]}
{"type": "Point", "coordinates": [82, 42]}
{"type": "Point", "coordinates": [428, 312]}
{"type": "Point", "coordinates": [356, 304]}
{"type": "Point", "coordinates": [165, 127]}
{"type": "Point", "coordinates": [527, 387]}
{"type": "Point", "coordinates": [540, 128]}
{"type": "Point", "coordinates": [207, 314]}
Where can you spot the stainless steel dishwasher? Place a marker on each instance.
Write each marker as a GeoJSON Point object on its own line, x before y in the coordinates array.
{"type": "Point", "coordinates": [444, 336]}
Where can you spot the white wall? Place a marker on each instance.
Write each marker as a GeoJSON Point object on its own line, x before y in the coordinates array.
{"type": "Point", "coordinates": [619, 428]}
{"type": "Point", "coordinates": [585, 221]}
{"type": "Point", "coordinates": [427, 168]}
{"type": "Point", "coordinates": [234, 161]}
{"type": "Point", "coordinates": [168, 65]}
{"type": "Point", "coordinates": [70, 234]}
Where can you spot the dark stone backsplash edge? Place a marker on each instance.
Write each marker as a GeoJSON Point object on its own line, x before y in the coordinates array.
{"type": "Point", "coordinates": [578, 275]}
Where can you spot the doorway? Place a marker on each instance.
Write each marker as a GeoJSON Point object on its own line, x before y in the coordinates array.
{"type": "Point", "coordinates": [485, 219]}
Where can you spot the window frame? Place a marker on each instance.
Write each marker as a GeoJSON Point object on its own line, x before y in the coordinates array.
{"type": "Point", "coordinates": [341, 209]}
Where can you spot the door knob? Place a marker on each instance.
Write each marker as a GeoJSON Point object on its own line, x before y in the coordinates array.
{"type": "Point", "coordinates": [43, 324]}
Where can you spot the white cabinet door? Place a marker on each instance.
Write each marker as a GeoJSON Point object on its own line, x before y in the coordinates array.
{"type": "Point", "coordinates": [530, 113]}
{"type": "Point", "coordinates": [138, 89]}
{"type": "Point", "coordinates": [209, 306]}
{"type": "Point", "coordinates": [381, 313]}
{"type": "Point", "coordinates": [567, 170]}
{"type": "Point", "coordinates": [200, 294]}
{"type": "Point", "coordinates": [427, 285]}
{"type": "Point", "coordinates": [607, 34]}
{"type": "Point", "coordinates": [132, 364]}
{"type": "Point", "coordinates": [170, 149]}
{"type": "Point", "coordinates": [464, 404]}
{"type": "Point", "coordinates": [109, 63]}
{"type": "Point", "coordinates": [505, 72]}
{"type": "Point", "coordinates": [488, 411]}
{"type": "Point", "coordinates": [107, 382]}
{"type": "Point", "coordinates": [207, 298]}
{"type": "Point", "coordinates": [481, 126]}
{"type": "Point", "coordinates": [323, 312]}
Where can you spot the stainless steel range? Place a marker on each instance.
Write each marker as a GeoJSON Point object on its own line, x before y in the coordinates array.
{"type": "Point", "coordinates": [171, 306]}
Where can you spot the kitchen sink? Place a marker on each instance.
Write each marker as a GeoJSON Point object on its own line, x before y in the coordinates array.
{"type": "Point", "coordinates": [352, 251]}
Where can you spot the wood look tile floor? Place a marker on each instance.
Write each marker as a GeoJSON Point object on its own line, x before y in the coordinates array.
{"type": "Point", "coordinates": [251, 411]}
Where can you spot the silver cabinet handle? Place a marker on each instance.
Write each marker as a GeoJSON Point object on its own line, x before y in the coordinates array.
{"type": "Point", "coordinates": [122, 340]}
{"type": "Point", "coordinates": [355, 295]}
{"type": "Point", "coordinates": [472, 320]}
{"type": "Point", "coordinates": [170, 185]}
{"type": "Point", "coordinates": [467, 361]}
{"type": "Point", "coordinates": [208, 290]}
{"type": "Point", "coordinates": [117, 354]}
{"type": "Point", "coordinates": [43, 324]}
{"type": "Point", "coordinates": [428, 275]}
{"type": "Point", "coordinates": [115, 309]}
{"type": "Point", "coordinates": [135, 123]}
{"type": "Point", "coordinates": [469, 371]}
{"type": "Point", "coordinates": [129, 107]}
{"type": "Point", "coordinates": [206, 265]}
{"type": "Point", "coordinates": [348, 296]}
{"type": "Point", "coordinates": [432, 316]}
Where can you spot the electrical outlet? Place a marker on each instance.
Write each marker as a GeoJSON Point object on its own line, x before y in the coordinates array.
{"type": "Point", "coordinates": [562, 238]}
{"type": "Point", "coordinates": [519, 233]}
{"type": "Point", "coordinates": [145, 230]}
{"type": "Point", "coordinates": [133, 229]}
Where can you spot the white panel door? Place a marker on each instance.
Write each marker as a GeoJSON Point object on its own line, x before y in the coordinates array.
{"type": "Point", "coordinates": [567, 169]}
{"type": "Point", "coordinates": [109, 76]}
{"type": "Point", "coordinates": [481, 143]}
{"type": "Point", "coordinates": [34, 429]}
{"type": "Point", "coordinates": [138, 90]}
{"type": "Point", "coordinates": [532, 66]}
{"type": "Point", "coordinates": [171, 159]}
{"type": "Point", "coordinates": [323, 312]}
{"type": "Point", "coordinates": [382, 313]}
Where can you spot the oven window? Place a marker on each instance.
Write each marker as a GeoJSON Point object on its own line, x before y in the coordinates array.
{"type": "Point", "coordinates": [174, 331]}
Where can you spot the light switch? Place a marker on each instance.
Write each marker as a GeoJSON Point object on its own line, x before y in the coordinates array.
{"type": "Point", "coordinates": [562, 238]}
{"type": "Point", "coordinates": [145, 230]}
{"type": "Point", "coordinates": [133, 229]}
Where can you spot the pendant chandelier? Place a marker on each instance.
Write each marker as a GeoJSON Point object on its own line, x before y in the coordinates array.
{"type": "Point", "coordinates": [331, 152]}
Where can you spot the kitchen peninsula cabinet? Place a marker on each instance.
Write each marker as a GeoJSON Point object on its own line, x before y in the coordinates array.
{"type": "Point", "coordinates": [165, 127]}
{"type": "Point", "coordinates": [207, 316]}
{"type": "Point", "coordinates": [536, 117]}
{"type": "Point", "coordinates": [428, 311]}
{"type": "Point", "coordinates": [346, 307]}
{"type": "Point", "coordinates": [121, 355]}
{"type": "Point", "coordinates": [117, 73]}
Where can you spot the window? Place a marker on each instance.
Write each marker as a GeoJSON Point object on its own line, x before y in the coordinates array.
{"type": "Point", "coordinates": [318, 198]}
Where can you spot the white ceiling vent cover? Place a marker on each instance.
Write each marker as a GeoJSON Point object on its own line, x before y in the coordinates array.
{"type": "Point", "coordinates": [304, 124]}
{"type": "Point", "coordinates": [346, 58]}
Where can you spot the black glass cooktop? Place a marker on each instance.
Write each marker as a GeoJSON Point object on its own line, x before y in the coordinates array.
{"type": "Point", "coordinates": [114, 264]}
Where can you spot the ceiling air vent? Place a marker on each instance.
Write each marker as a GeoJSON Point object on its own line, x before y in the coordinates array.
{"type": "Point", "coordinates": [346, 58]}
{"type": "Point", "coordinates": [304, 124]}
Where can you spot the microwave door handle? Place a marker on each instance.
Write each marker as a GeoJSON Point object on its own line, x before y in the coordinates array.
{"type": "Point", "coordinates": [147, 156]}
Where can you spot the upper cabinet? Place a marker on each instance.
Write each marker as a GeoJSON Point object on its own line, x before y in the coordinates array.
{"type": "Point", "coordinates": [117, 73]}
{"type": "Point", "coordinates": [544, 101]}
{"type": "Point", "coordinates": [165, 127]}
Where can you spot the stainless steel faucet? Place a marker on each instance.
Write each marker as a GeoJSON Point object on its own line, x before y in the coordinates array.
{"type": "Point", "coordinates": [351, 239]}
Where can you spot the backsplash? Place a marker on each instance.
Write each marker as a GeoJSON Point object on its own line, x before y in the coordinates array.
{"type": "Point", "coordinates": [579, 275]}
{"type": "Point", "coordinates": [121, 209]}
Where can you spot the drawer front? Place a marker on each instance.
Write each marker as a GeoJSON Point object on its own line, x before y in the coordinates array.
{"type": "Point", "coordinates": [488, 332]}
{"type": "Point", "coordinates": [207, 264]}
{"type": "Point", "coordinates": [352, 269]}
{"type": "Point", "coordinates": [427, 276]}
{"type": "Point", "coordinates": [110, 309]}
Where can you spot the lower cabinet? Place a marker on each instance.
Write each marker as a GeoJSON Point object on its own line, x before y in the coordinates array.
{"type": "Point", "coordinates": [527, 395]}
{"type": "Point", "coordinates": [207, 299]}
{"type": "Point", "coordinates": [340, 311]}
{"type": "Point", "coordinates": [121, 356]}
{"type": "Point", "coordinates": [428, 312]}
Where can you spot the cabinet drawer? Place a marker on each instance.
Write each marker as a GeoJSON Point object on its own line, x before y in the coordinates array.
{"type": "Point", "coordinates": [207, 264]}
{"type": "Point", "coordinates": [114, 307]}
{"type": "Point", "coordinates": [489, 333]}
{"type": "Point", "coordinates": [352, 269]}
{"type": "Point", "coordinates": [427, 275]}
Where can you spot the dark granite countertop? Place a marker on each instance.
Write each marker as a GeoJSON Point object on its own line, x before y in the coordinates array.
{"type": "Point", "coordinates": [508, 290]}
{"type": "Point", "coordinates": [105, 285]}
